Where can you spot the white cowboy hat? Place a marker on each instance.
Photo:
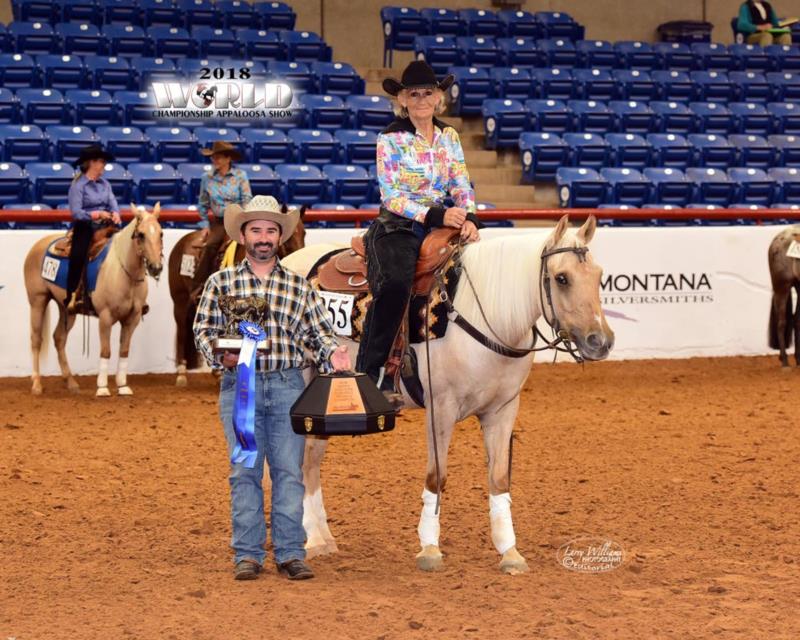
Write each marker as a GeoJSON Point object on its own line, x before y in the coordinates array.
{"type": "Point", "coordinates": [260, 208]}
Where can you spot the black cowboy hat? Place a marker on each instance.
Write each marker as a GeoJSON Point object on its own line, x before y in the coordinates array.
{"type": "Point", "coordinates": [418, 74]}
{"type": "Point", "coordinates": [93, 152]}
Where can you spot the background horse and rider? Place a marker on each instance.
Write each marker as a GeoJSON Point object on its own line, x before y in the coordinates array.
{"type": "Point", "coordinates": [784, 271]}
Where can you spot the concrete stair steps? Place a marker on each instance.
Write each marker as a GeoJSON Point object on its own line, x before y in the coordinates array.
{"type": "Point", "coordinates": [495, 176]}
{"type": "Point", "coordinates": [480, 158]}
{"type": "Point", "coordinates": [505, 193]}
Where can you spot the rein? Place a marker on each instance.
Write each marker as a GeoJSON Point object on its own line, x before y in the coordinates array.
{"type": "Point", "coordinates": [137, 237]}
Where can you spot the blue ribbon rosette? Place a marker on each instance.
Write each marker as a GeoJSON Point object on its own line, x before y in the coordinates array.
{"type": "Point", "coordinates": [244, 410]}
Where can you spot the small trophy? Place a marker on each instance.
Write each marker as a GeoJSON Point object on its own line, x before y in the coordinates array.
{"type": "Point", "coordinates": [237, 310]}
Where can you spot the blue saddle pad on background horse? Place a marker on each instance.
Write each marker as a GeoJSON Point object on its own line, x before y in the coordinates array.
{"type": "Point", "coordinates": [56, 268]}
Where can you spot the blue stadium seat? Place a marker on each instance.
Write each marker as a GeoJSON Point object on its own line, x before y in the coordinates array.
{"type": "Point", "coordinates": [13, 183]}
{"type": "Point", "coordinates": [670, 186]}
{"type": "Point", "coordinates": [788, 147]}
{"type": "Point", "coordinates": [670, 150]}
{"type": "Point", "coordinates": [673, 85]}
{"type": "Point", "coordinates": [66, 141]}
{"type": "Point", "coordinates": [591, 116]}
{"type": "Point", "coordinates": [580, 187]}
{"type": "Point", "coordinates": [549, 115]}
{"type": "Point", "coordinates": [635, 84]}
{"type": "Point", "coordinates": [62, 71]}
{"type": "Point", "coordinates": [122, 12]}
{"type": "Point", "coordinates": [597, 54]}
{"type": "Point", "coordinates": [9, 107]}
{"type": "Point", "coordinates": [711, 186]}
{"type": "Point", "coordinates": [121, 181]}
{"type": "Point", "coordinates": [267, 146]}
{"type": "Point", "coordinates": [479, 22]}
{"type": "Point", "coordinates": [785, 117]}
{"type": "Point", "coordinates": [263, 180]}
{"type": "Point", "coordinates": [174, 42]}
{"type": "Point", "coordinates": [520, 52]}
{"type": "Point", "coordinates": [33, 38]}
{"type": "Point", "coordinates": [784, 57]}
{"type": "Point", "coordinates": [50, 182]}
{"type": "Point", "coordinates": [36, 10]}
{"type": "Point", "coordinates": [81, 39]}
{"type": "Point", "coordinates": [305, 46]}
{"type": "Point", "coordinates": [155, 182]}
{"type": "Point", "coordinates": [126, 40]}
{"type": "Point", "coordinates": [357, 146]}
{"type": "Point", "coordinates": [297, 74]}
{"type": "Point", "coordinates": [633, 116]}
{"type": "Point", "coordinates": [302, 183]}
{"type": "Point", "coordinates": [754, 186]}
{"type": "Point", "coordinates": [314, 146]}
{"type": "Point", "coordinates": [18, 70]}
{"type": "Point", "coordinates": [479, 51]}
{"type": "Point", "coordinates": [634, 54]}
{"type": "Point", "coordinates": [712, 117]}
{"type": "Point", "coordinates": [199, 13]}
{"type": "Point", "coordinates": [626, 186]}
{"type": "Point", "coordinates": [214, 42]}
{"type": "Point", "coordinates": [206, 136]}
{"type": "Point", "coordinates": [325, 111]}
{"type": "Point", "coordinates": [149, 70]}
{"type": "Point", "coordinates": [81, 11]}
{"type": "Point", "coordinates": [43, 106]}
{"type": "Point", "coordinates": [171, 144]}
{"type": "Point", "coordinates": [629, 150]}
{"type": "Point", "coordinates": [673, 117]}
{"type": "Point", "coordinates": [275, 15]}
{"type": "Point", "coordinates": [5, 40]}
{"type": "Point", "coordinates": [126, 144]}
{"type": "Point", "coordinates": [511, 82]}
{"type": "Point", "coordinates": [787, 180]}
{"type": "Point", "coordinates": [751, 57]}
{"type": "Point", "coordinates": [110, 73]}
{"type": "Point", "coordinates": [785, 85]}
{"type": "Point", "coordinates": [136, 108]}
{"type": "Point", "coordinates": [754, 151]}
{"type": "Point", "coordinates": [713, 57]}
{"type": "Point", "coordinates": [337, 78]}
{"type": "Point", "coordinates": [347, 183]}
{"type": "Point", "coordinates": [441, 52]}
{"type": "Point", "coordinates": [259, 44]}
{"type": "Point", "coordinates": [370, 112]}
{"type": "Point", "coordinates": [558, 24]}
{"type": "Point", "coordinates": [237, 14]}
{"type": "Point", "coordinates": [712, 86]}
{"type": "Point", "coordinates": [750, 86]}
{"type": "Point", "coordinates": [471, 87]}
{"type": "Point", "coordinates": [503, 121]}
{"type": "Point", "coordinates": [192, 174]}
{"type": "Point", "coordinates": [400, 26]}
{"type": "Point", "coordinates": [751, 117]}
{"type": "Point", "coordinates": [445, 22]}
{"type": "Point", "coordinates": [595, 84]}
{"type": "Point", "coordinates": [516, 23]}
{"type": "Point", "coordinates": [160, 13]}
{"type": "Point", "coordinates": [542, 154]}
{"type": "Point", "coordinates": [555, 84]}
{"type": "Point", "coordinates": [558, 52]}
{"type": "Point", "coordinates": [676, 56]}
{"type": "Point", "coordinates": [712, 150]}
{"type": "Point", "coordinates": [23, 143]}
{"type": "Point", "coordinates": [588, 150]}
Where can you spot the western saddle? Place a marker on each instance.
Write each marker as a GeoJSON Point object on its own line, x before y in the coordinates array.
{"type": "Point", "coordinates": [101, 236]}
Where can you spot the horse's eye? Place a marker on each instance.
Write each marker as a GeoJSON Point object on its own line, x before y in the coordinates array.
{"type": "Point", "coordinates": [562, 279]}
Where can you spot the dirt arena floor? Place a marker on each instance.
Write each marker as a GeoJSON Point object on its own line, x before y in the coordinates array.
{"type": "Point", "coordinates": [115, 520]}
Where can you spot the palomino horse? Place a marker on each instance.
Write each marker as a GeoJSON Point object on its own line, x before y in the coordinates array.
{"type": "Point", "coordinates": [119, 296]}
{"type": "Point", "coordinates": [506, 285]}
{"type": "Point", "coordinates": [189, 248]}
{"type": "Point", "coordinates": [785, 274]}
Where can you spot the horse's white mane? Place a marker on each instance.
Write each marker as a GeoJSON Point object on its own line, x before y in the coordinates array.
{"type": "Point", "coordinates": [505, 273]}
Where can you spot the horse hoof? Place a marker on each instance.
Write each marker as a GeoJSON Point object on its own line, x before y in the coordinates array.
{"type": "Point", "coordinates": [430, 559]}
{"type": "Point", "coordinates": [36, 389]}
{"type": "Point", "coordinates": [125, 391]}
{"type": "Point", "coordinates": [102, 392]}
{"type": "Point", "coordinates": [181, 381]}
{"type": "Point", "coordinates": [513, 563]}
{"type": "Point", "coordinates": [73, 386]}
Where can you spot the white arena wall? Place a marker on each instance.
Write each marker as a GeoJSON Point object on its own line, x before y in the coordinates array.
{"type": "Point", "coordinates": [672, 292]}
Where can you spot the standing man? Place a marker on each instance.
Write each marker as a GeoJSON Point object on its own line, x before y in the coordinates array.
{"type": "Point", "coordinates": [295, 318]}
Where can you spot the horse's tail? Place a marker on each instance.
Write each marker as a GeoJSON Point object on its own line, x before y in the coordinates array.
{"type": "Point", "coordinates": [773, 323]}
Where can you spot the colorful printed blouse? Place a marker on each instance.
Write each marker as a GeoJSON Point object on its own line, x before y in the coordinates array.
{"type": "Point", "coordinates": [217, 192]}
{"type": "Point", "coordinates": [415, 177]}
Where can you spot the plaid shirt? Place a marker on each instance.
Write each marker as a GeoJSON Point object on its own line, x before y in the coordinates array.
{"type": "Point", "coordinates": [295, 316]}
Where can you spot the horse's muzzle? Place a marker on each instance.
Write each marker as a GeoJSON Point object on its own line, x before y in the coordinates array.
{"type": "Point", "coordinates": [594, 346]}
{"type": "Point", "coordinates": [154, 271]}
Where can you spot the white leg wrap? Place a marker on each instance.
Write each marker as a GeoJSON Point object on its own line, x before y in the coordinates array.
{"type": "Point", "coordinates": [428, 528]}
{"type": "Point", "coordinates": [122, 372]}
{"type": "Point", "coordinates": [309, 513]}
{"type": "Point", "coordinates": [102, 375]}
{"type": "Point", "coordinates": [502, 528]}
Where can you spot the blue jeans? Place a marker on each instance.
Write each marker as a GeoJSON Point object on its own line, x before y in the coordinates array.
{"type": "Point", "coordinates": [276, 392]}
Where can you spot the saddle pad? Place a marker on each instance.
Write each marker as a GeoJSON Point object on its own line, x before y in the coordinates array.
{"type": "Point", "coordinates": [56, 268]}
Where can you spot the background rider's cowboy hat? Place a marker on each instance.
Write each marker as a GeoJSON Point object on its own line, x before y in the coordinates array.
{"type": "Point", "coordinates": [220, 146]}
{"type": "Point", "coordinates": [260, 208]}
{"type": "Point", "coordinates": [417, 75]}
{"type": "Point", "coordinates": [93, 152]}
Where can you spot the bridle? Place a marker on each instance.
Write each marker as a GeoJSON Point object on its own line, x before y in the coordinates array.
{"type": "Point", "coordinates": [137, 237]}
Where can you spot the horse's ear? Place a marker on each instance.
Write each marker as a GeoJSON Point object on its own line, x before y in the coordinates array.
{"type": "Point", "coordinates": [303, 211]}
{"type": "Point", "coordinates": [157, 208]}
{"type": "Point", "coordinates": [559, 231]}
{"type": "Point", "coordinates": [586, 232]}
